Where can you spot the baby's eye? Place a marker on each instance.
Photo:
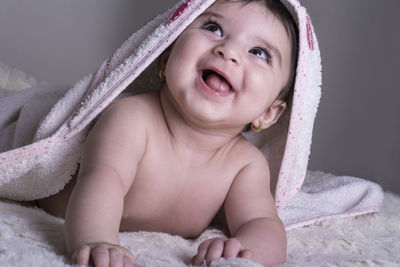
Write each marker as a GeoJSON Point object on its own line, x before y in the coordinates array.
{"type": "Point", "coordinates": [213, 27]}
{"type": "Point", "coordinates": [262, 53]}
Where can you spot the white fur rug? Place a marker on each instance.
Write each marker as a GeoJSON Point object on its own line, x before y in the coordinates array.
{"type": "Point", "coordinates": [30, 237]}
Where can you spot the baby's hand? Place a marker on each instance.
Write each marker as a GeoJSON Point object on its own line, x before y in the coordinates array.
{"type": "Point", "coordinates": [102, 254]}
{"type": "Point", "coordinates": [215, 248]}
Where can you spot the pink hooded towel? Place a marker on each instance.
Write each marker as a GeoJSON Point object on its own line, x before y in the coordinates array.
{"type": "Point", "coordinates": [42, 129]}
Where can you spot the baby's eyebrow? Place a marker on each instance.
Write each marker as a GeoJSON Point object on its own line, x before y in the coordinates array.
{"type": "Point", "coordinates": [211, 14]}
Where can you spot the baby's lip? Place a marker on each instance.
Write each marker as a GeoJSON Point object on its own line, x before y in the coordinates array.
{"type": "Point", "coordinates": [220, 73]}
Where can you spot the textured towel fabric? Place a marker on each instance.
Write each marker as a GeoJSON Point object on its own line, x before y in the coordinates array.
{"type": "Point", "coordinates": [324, 196]}
{"type": "Point", "coordinates": [42, 129]}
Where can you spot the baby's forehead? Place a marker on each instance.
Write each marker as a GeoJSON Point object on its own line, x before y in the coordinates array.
{"type": "Point", "coordinates": [244, 10]}
{"type": "Point", "coordinates": [261, 4]}
{"type": "Point", "coordinates": [242, 4]}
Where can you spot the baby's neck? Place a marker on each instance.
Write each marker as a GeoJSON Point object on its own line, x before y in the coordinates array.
{"type": "Point", "coordinates": [192, 136]}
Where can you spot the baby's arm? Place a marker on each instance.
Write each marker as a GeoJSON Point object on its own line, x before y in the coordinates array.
{"type": "Point", "coordinates": [108, 166]}
{"type": "Point", "coordinates": [257, 232]}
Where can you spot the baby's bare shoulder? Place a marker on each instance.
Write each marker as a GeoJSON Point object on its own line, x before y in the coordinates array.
{"type": "Point", "coordinates": [248, 153]}
{"type": "Point", "coordinates": [135, 107]}
{"type": "Point", "coordinates": [131, 113]}
{"type": "Point", "coordinates": [119, 136]}
{"type": "Point", "coordinates": [125, 121]}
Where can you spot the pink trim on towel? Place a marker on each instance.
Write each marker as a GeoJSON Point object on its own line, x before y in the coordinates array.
{"type": "Point", "coordinates": [26, 152]}
{"type": "Point", "coordinates": [179, 11]}
{"type": "Point", "coordinates": [310, 36]}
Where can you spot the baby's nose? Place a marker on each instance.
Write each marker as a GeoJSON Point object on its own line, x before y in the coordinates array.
{"type": "Point", "coordinates": [228, 52]}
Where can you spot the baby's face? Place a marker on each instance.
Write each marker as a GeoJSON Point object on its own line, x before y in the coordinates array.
{"type": "Point", "coordinates": [229, 65]}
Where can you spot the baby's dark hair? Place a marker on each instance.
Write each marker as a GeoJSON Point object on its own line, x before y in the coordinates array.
{"type": "Point", "coordinates": [282, 13]}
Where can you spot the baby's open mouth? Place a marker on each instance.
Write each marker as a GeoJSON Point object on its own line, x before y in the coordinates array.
{"type": "Point", "coordinates": [216, 81]}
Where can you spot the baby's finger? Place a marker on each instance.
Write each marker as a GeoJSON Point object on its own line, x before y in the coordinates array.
{"type": "Point", "coordinates": [232, 248]}
{"type": "Point", "coordinates": [199, 258]}
{"type": "Point", "coordinates": [100, 256]}
{"type": "Point", "coordinates": [246, 254]}
{"type": "Point", "coordinates": [215, 250]}
{"type": "Point", "coordinates": [129, 262]}
{"type": "Point", "coordinates": [81, 256]}
{"type": "Point", "coordinates": [116, 258]}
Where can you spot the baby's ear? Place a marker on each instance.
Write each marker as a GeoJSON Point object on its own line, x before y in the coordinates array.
{"type": "Point", "coordinates": [164, 58]}
{"type": "Point", "coordinates": [165, 55]}
{"type": "Point", "coordinates": [271, 115]}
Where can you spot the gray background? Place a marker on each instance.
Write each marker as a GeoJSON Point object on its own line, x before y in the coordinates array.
{"type": "Point", "coordinates": [357, 127]}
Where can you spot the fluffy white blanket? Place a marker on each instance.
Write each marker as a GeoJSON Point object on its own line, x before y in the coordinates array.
{"type": "Point", "coordinates": [30, 237]}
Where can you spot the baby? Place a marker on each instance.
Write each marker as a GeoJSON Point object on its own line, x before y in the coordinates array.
{"type": "Point", "coordinates": [167, 161]}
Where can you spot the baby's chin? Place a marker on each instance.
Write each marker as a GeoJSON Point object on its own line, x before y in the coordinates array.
{"type": "Point", "coordinates": [213, 120]}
